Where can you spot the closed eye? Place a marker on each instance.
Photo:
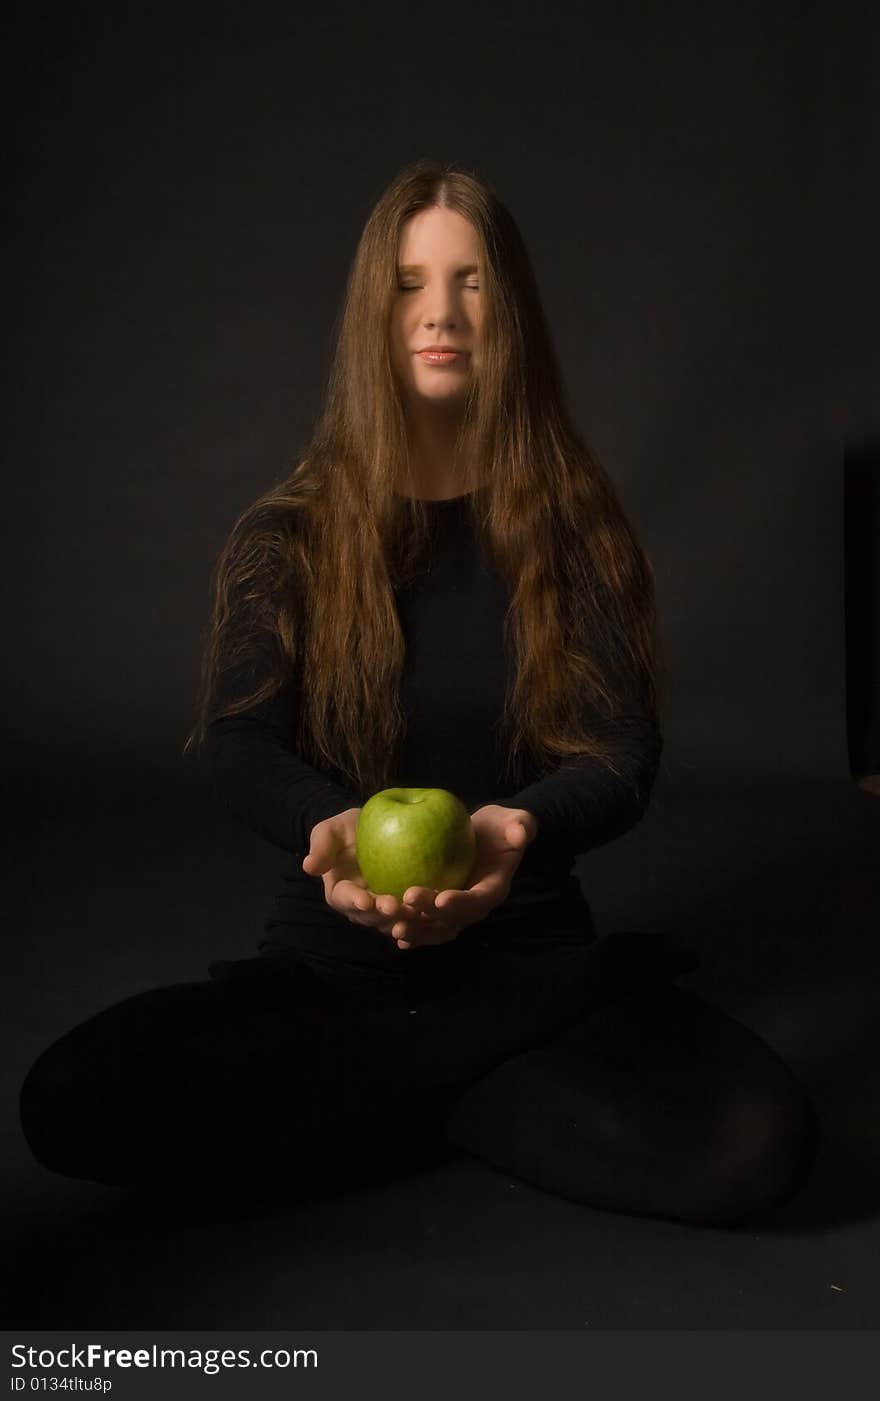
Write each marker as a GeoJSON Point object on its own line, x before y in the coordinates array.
{"type": "Point", "coordinates": [469, 286]}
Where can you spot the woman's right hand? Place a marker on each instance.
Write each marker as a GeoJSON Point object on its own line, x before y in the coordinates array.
{"type": "Point", "coordinates": [332, 857]}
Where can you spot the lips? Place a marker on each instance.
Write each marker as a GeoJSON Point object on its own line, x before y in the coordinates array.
{"type": "Point", "coordinates": [439, 357]}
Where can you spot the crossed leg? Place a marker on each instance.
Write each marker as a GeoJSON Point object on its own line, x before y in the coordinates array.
{"type": "Point", "coordinates": [657, 1104]}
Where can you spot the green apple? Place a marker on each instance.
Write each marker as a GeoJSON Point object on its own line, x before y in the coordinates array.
{"type": "Point", "coordinates": [414, 836]}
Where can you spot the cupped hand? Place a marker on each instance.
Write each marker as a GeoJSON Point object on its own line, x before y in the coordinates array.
{"type": "Point", "coordinates": [426, 916]}
{"type": "Point", "coordinates": [332, 856]}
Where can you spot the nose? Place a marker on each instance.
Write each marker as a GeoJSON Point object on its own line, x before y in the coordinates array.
{"type": "Point", "coordinates": [440, 323]}
{"type": "Point", "coordinates": [445, 313]}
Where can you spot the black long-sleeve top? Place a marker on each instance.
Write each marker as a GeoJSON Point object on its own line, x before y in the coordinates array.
{"type": "Point", "coordinates": [452, 692]}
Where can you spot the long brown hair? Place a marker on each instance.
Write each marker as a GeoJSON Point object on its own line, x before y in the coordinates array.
{"type": "Point", "coordinates": [304, 585]}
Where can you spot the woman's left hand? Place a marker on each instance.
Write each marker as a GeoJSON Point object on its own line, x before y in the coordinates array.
{"type": "Point", "coordinates": [502, 835]}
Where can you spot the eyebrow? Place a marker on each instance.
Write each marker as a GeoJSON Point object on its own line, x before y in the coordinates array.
{"type": "Point", "coordinates": [419, 267]}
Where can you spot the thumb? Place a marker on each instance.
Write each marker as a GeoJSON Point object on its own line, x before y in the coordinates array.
{"type": "Point", "coordinates": [518, 832]}
{"type": "Point", "coordinates": [323, 847]}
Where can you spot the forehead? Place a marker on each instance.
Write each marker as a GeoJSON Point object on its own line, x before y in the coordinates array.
{"type": "Point", "coordinates": [440, 237]}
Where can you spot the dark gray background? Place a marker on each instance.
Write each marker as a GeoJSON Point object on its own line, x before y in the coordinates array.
{"type": "Point", "coordinates": [695, 185]}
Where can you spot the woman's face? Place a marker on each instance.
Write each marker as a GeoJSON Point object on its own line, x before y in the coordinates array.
{"type": "Point", "coordinates": [437, 302]}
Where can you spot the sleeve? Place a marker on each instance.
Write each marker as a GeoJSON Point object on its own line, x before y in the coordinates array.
{"type": "Point", "coordinates": [250, 758]}
{"type": "Point", "coordinates": [582, 804]}
{"type": "Point", "coordinates": [258, 777]}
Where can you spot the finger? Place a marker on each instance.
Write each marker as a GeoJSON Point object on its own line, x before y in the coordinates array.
{"type": "Point", "coordinates": [420, 897]}
{"type": "Point", "coordinates": [461, 906]}
{"type": "Point", "coordinates": [409, 940]}
{"type": "Point", "coordinates": [417, 900]}
{"type": "Point", "coordinates": [384, 925]}
{"type": "Point", "coordinates": [452, 902]}
{"type": "Point", "coordinates": [487, 890]}
{"type": "Point", "coordinates": [394, 912]}
{"type": "Point", "coordinates": [389, 906]}
{"type": "Point", "coordinates": [393, 926]}
{"type": "Point", "coordinates": [353, 897]}
{"type": "Point", "coordinates": [419, 908]}
{"type": "Point", "coordinates": [412, 928]}
{"type": "Point", "coordinates": [419, 919]}
{"type": "Point", "coordinates": [427, 935]}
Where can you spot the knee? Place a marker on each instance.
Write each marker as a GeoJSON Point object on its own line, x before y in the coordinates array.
{"type": "Point", "coordinates": [72, 1105]}
{"type": "Point", "coordinates": [761, 1155]}
{"type": "Point", "coordinates": [60, 1128]}
{"type": "Point", "coordinates": [43, 1089]}
{"type": "Point", "coordinates": [44, 1104]}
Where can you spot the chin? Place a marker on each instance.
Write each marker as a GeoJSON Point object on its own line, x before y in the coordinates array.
{"type": "Point", "coordinates": [439, 392]}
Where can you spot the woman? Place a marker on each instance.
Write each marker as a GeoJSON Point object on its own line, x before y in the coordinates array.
{"type": "Point", "coordinates": [445, 592]}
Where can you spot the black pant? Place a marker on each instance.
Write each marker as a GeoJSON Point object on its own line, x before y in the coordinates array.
{"type": "Point", "coordinates": [589, 1074]}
